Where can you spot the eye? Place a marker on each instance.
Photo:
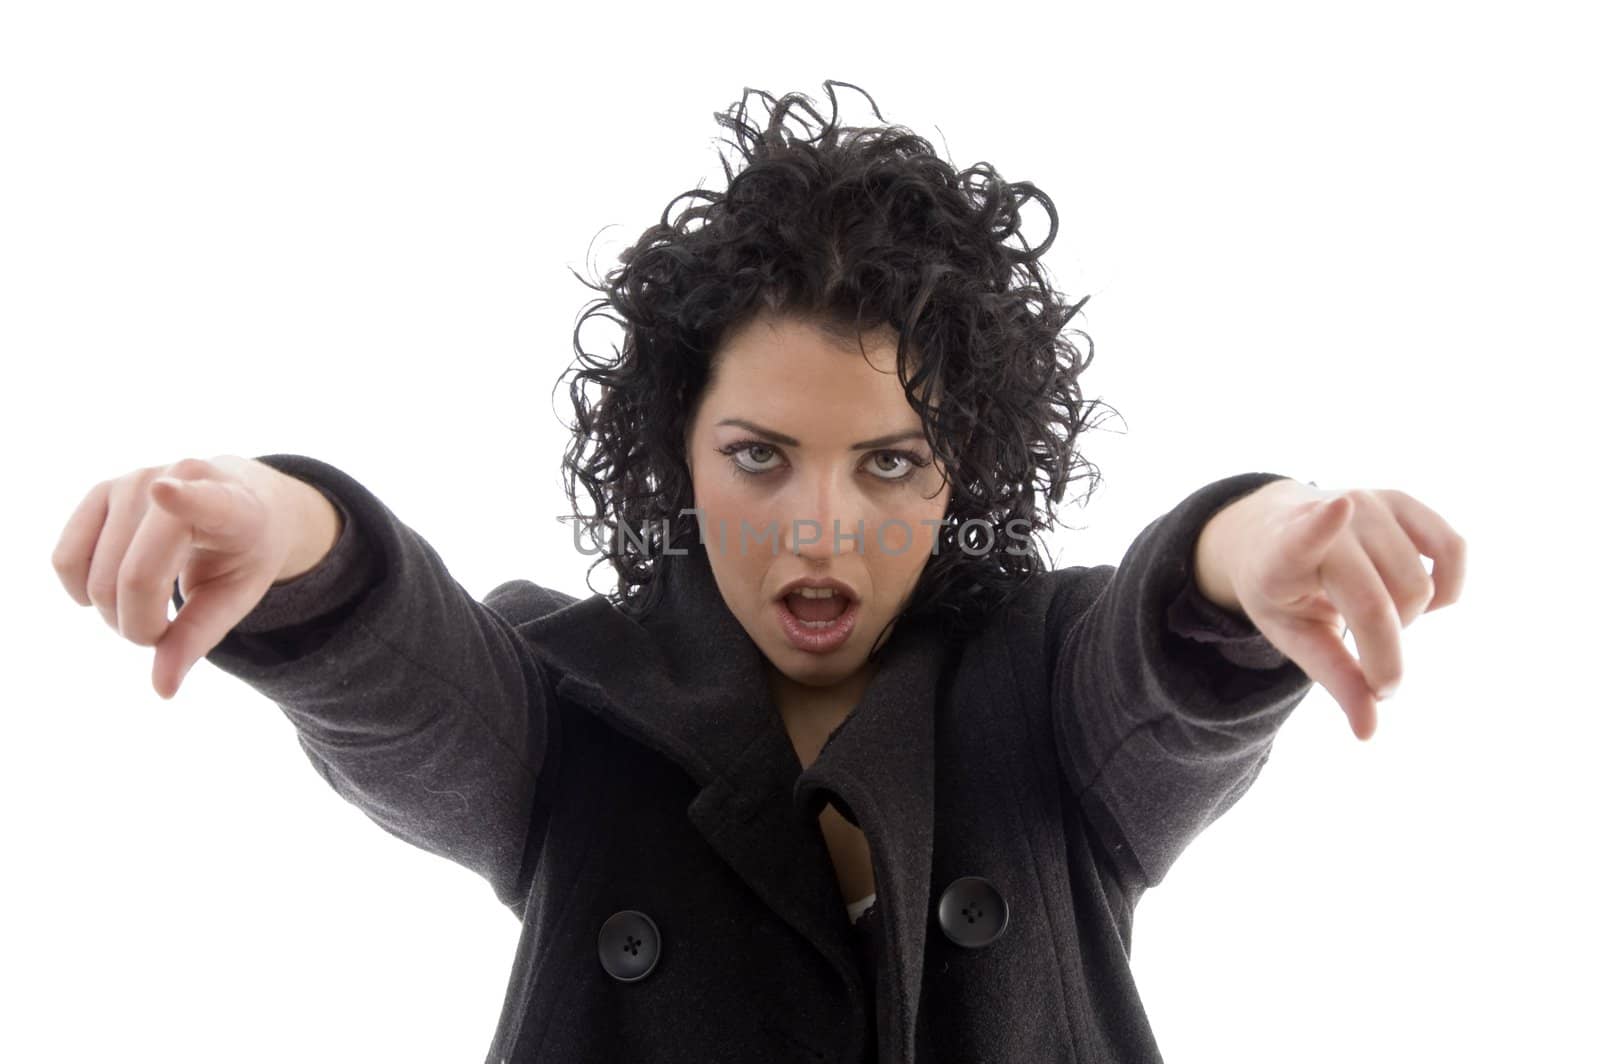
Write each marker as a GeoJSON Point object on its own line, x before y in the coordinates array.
{"type": "Point", "coordinates": [911, 463]}
{"type": "Point", "coordinates": [754, 449]}
{"type": "Point", "coordinates": [752, 458]}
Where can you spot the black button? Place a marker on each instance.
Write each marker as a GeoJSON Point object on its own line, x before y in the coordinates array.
{"type": "Point", "coordinates": [972, 913]}
{"type": "Point", "coordinates": [629, 945]}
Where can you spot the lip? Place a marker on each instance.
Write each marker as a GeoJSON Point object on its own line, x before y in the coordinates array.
{"type": "Point", "coordinates": [819, 582]}
{"type": "Point", "coordinates": [818, 640]}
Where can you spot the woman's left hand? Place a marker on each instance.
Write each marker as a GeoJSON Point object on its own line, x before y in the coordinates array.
{"type": "Point", "coordinates": [1299, 558]}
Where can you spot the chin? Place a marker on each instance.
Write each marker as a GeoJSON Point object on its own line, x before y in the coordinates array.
{"type": "Point", "coordinates": [816, 677]}
{"type": "Point", "coordinates": [813, 669]}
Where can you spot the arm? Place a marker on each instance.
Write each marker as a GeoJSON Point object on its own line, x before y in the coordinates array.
{"type": "Point", "coordinates": [1157, 732]}
{"type": "Point", "coordinates": [1234, 636]}
{"type": "Point", "coordinates": [418, 704]}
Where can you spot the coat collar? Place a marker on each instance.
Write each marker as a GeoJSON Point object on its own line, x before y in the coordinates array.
{"type": "Point", "coordinates": [687, 680]}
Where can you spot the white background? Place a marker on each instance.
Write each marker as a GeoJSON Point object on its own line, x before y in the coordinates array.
{"type": "Point", "coordinates": [1346, 243]}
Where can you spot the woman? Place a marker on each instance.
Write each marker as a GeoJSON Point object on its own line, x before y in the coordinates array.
{"type": "Point", "coordinates": [842, 771]}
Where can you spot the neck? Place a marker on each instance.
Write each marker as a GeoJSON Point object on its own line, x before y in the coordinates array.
{"type": "Point", "coordinates": [812, 713]}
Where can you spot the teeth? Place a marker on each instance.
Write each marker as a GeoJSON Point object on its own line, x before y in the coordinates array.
{"type": "Point", "coordinates": [816, 592]}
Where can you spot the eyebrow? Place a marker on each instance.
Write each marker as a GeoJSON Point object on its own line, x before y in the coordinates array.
{"type": "Point", "coordinates": [864, 445]}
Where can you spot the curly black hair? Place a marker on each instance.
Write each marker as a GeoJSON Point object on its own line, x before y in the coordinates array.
{"type": "Point", "coordinates": [853, 229]}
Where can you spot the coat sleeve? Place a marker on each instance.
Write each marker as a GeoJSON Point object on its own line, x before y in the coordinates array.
{"type": "Point", "coordinates": [1237, 639]}
{"type": "Point", "coordinates": [1164, 706]}
{"type": "Point", "coordinates": [415, 702]}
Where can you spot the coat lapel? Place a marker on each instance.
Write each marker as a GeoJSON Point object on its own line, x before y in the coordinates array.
{"type": "Point", "coordinates": [688, 681]}
{"type": "Point", "coordinates": [879, 764]}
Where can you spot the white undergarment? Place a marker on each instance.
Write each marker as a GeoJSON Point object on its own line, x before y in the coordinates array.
{"type": "Point", "coordinates": [856, 908]}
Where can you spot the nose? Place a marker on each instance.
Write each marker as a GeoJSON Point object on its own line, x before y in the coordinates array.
{"type": "Point", "coordinates": [818, 500]}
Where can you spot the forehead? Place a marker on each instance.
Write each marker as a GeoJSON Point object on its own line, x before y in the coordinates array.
{"type": "Point", "coordinates": [791, 363]}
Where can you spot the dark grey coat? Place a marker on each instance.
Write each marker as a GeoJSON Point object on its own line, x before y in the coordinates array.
{"type": "Point", "coordinates": [630, 793]}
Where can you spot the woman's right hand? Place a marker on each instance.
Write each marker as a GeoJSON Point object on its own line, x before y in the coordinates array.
{"type": "Point", "coordinates": [226, 529]}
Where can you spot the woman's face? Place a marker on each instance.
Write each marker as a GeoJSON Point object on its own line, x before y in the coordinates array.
{"type": "Point", "coordinates": [795, 433]}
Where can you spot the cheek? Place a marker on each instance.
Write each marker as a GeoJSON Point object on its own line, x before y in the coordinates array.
{"type": "Point", "coordinates": [718, 489]}
{"type": "Point", "coordinates": [741, 574]}
{"type": "Point", "coordinates": [907, 530]}
{"type": "Point", "coordinates": [903, 545]}
{"type": "Point", "coordinates": [716, 495]}
{"type": "Point", "coordinates": [893, 544]}
{"type": "Point", "coordinates": [724, 509]}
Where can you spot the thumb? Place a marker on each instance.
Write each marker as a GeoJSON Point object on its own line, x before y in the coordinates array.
{"type": "Point", "coordinates": [1321, 520]}
{"type": "Point", "coordinates": [211, 508]}
{"type": "Point", "coordinates": [1292, 572]}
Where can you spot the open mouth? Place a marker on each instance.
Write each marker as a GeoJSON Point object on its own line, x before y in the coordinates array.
{"type": "Point", "coordinates": [817, 620]}
{"type": "Point", "coordinates": [817, 608]}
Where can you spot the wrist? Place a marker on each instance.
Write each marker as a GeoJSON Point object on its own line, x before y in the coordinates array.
{"type": "Point", "coordinates": [1217, 545]}
{"type": "Point", "coordinates": [1212, 560]}
{"type": "Point", "coordinates": [316, 525]}
{"type": "Point", "coordinates": [1209, 572]}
